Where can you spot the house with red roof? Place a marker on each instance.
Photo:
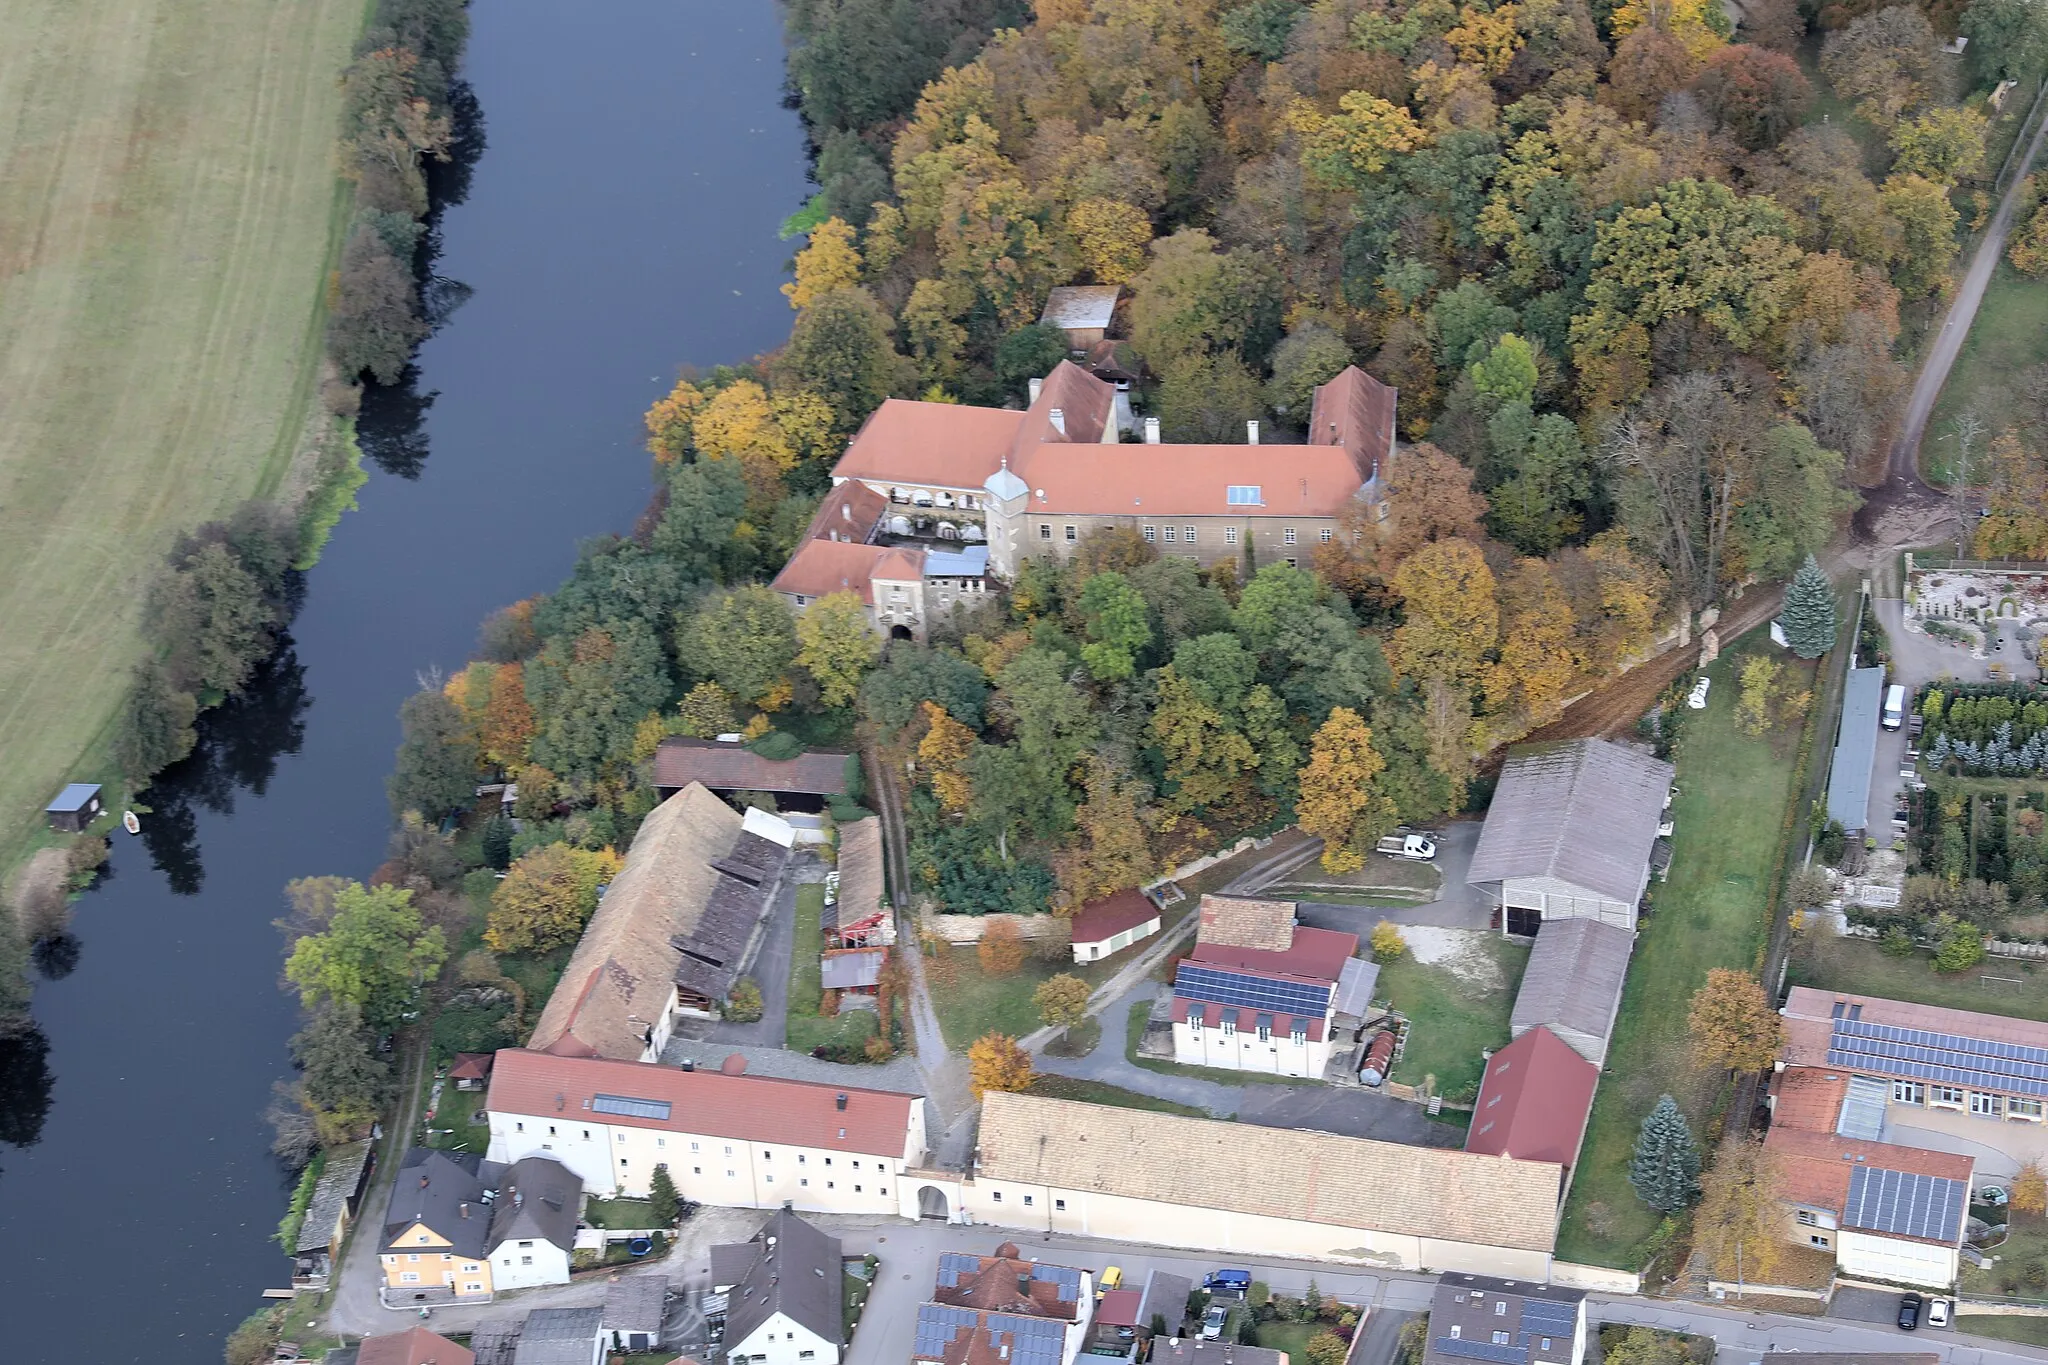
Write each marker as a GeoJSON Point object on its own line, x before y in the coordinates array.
{"type": "Point", "coordinates": [1533, 1101]}
{"type": "Point", "coordinates": [1886, 1212]}
{"type": "Point", "coordinates": [1260, 993]}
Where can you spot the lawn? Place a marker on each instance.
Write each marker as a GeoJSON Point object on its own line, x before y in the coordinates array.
{"type": "Point", "coordinates": [2005, 1328]}
{"type": "Point", "coordinates": [452, 1127]}
{"type": "Point", "coordinates": [970, 1002]}
{"type": "Point", "coordinates": [807, 1029]}
{"type": "Point", "coordinates": [1452, 1018]}
{"type": "Point", "coordinates": [1291, 1337]}
{"type": "Point", "coordinates": [1382, 881]}
{"type": "Point", "coordinates": [1859, 967]}
{"type": "Point", "coordinates": [1712, 912]}
{"type": "Point", "coordinates": [1099, 1092]}
{"type": "Point", "coordinates": [2006, 340]}
{"type": "Point", "coordinates": [169, 204]}
{"type": "Point", "coordinates": [619, 1213]}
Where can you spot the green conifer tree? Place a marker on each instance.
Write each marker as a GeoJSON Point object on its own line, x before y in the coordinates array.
{"type": "Point", "coordinates": [661, 1193]}
{"type": "Point", "coordinates": [1665, 1169]}
{"type": "Point", "coordinates": [1809, 618]}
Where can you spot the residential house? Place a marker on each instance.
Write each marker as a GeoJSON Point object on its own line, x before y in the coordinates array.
{"type": "Point", "coordinates": [1228, 1188]}
{"type": "Point", "coordinates": [1163, 1302]}
{"type": "Point", "coordinates": [1925, 1075]}
{"type": "Point", "coordinates": [727, 1137]}
{"type": "Point", "coordinates": [727, 766]}
{"type": "Point", "coordinates": [1569, 833]}
{"type": "Point", "coordinates": [1112, 924]}
{"type": "Point", "coordinates": [533, 1223]}
{"type": "Point", "coordinates": [1572, 984]}
{"type": "Point", "coordinates": [1126, 1319]}
{"type": "Point", "coordinates": [1505, 1322]}
{"type": "Point", "coordinates": [784, 1293]}
{"type": "Point", "coordinates": [1035, 482]}
{"type": "Point", "coordinates": [1886, 1213]}
{"type": "Point", "coordinates": [1257, 992]}
{"type": "Point", "coordinates": [669, 933]}
{"type": "Point", "coordinates": [1082, 311]}
{"type": "Point", "coordinates": [561, 1336]}
{"type": "Point", "coordinates": [337, 1195]}
{"type": "Point", "coordinates": [1003, 1308]}
{"type": "Point", "coordinates": [635, 1309]}
{"type": "Point", "coordinates": [413, 1346]}
{"type": "Point", "coordinates": [1533, 1101]}
{"type": "Point", "coordinates": [435, 1246]}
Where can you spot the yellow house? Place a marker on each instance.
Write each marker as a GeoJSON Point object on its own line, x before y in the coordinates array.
{"type": "Point", "coordinates": [436, 1232]}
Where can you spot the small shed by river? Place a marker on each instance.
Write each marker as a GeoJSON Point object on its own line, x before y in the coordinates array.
{"type": "Point", "coordinates": [77, 806]}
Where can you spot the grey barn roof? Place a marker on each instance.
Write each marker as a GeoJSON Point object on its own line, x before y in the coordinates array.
{"type": "Point", "coordinates": [1583, 811]}
{"type": "Point", "coordinates": [558, 1336]}
{"type": "Point", "coordinates": [1855, 749]}
{"type": "Point", "coordinates": [338, 1184]}
{"type": "Point", "coordinates": [1573, 981]}
{"type": "Point", "coordinates": [635, 1305]}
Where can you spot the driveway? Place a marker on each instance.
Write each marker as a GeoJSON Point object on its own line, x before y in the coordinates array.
{"type": "Point", "coordinates": [1880, 1306]}
{"type": "Point", "coordinates": [1919, 658]}
{"type": "Point", "coordinates": [1457, 905]}
{"type": "Point", "coordinates": [1108, 1064]}
{"type": "Point", "coordinates": [1346, 1112]}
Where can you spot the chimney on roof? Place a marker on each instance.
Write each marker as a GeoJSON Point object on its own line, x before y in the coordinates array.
{"type": "Point", "coordinates": [423, 1182]}
{"type": "Point", "coordinates": [840, 1103]}
{"type": "Point", "coordinates": [1251, 432]}
{"type": "Point", "coordinates": [689, 1063]}
{"type": "Point", "coordinates": [1035, 386]}
{"type": "Point", "coordinates": [465, 1208]}
{"type": "Point", "coordinates": [1151, 431]}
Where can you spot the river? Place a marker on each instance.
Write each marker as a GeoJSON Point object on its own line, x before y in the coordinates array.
{"type": "Point", "coordinates": [621, 224]}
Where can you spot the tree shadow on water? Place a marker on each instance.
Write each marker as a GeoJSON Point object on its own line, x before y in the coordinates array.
{"type": "Point", "coordinates": [240, 743]}
{"type": "Point", "coordinates": [25, 1084]}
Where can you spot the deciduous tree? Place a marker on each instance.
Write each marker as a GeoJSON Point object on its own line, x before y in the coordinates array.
{"type": "Point", "coordinates": [942, 755]}
{"type": "Point", "coordinates": [2028, 1191]}
{"type": "Point", "coordinates": [744, 639]}
{"type": "Point", "coordinates": [435, 772]}
{"type": "Point", "coordinates": [830, 261]}
{"type": "Point", "coordinates": [1757, 94]}
{"type": "Point", "coordinates": [1943, 145]}
{"type": "Point", "coordinates": [374, 953]}
{"type": "Point", "coordinates": [836, 645]}
{"type": "Point", "coordinates": [1340, 799]}
{"type": "Point", "coordinates": [995, 1062]}
{"type": "Point", "coordinates": [1116, 625]}
{"type": "Point", "coordinates": [1062, 1000]}
{"type": "Point", "coordinates": [1112, 849]}
{"type": "Point", "coordinates": [547, 897]}
{"type": "Point", "coordinates": [1741, 1211]}
{"type": "Point", "coordinates": [670, 421]}
{"type": "Point", "coordinates": [1453, 614]}
{"type": "Point", "coordinates": [1110, 238]}
{"type": "Point", "coordinates": [707, 711]}
{"type": "Point", "coordinates": [840, 350]}
{"type": "Point", "coordinates": [1732, 1024]}
{"type": "Point", "coordinates": [1001, 949]}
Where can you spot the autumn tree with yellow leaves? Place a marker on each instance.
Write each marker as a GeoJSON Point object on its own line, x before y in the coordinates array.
{"type": "Point", "coordinates": [1340, 800]}
{"type": "Point", "coordinates": [995, 1062]}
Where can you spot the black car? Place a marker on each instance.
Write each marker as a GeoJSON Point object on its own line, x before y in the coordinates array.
{"type": "Point", "coordinates": [1909, 1312]}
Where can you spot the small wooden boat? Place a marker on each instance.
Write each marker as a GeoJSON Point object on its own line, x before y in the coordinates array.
{"type": "Point", "coordinates": [130, 823]}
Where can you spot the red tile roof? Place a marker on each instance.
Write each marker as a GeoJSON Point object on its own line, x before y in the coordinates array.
{"type": "Point", "coordinates": [733, 767]}
{"type": "Point", "coordinates": [820, 568]}
{"type": "Point", "coordinates": [937, 445]}
{"type": "Point", "coordinates": [470, 1066]}
{"type": "Point", "coordinates": [851, 511]}
{"type": "Point", "coordinates": [1355, 411]}
{"type": "Point", "coordinates": [1119, 1308]}
{"type": "Point", "coordinates": [717, 1103]}
{"type": "Point", "coordinates": [1808, 1098]}
{"type": "Point", "coordinates": [414, 1346]}
{"type": "Point", "coordinates": [1533, 1101]}
{"type": "Point", "coordinates": [1100, 921]}
{"type": "Point", "coordinates": [1189, 480]}
{"type": "Point", "coordinates": [1809, 1022]}
{"type": "Point", "coordinates": [1003, 1283]}
{"type": "Point", "coordinates": [1317, 955]}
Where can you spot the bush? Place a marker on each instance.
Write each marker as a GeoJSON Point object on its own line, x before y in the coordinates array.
{"type": "Point", "coordinates": [1387, 942]}
{"type": "Point", "coordinates": [1896, 942]}
{"type": "Point", "coordinates": [743, 1005]}
{"type": "Point", "coordinates": [777, 745]}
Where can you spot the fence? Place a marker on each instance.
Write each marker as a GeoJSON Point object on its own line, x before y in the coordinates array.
{"type": "Point", "coordinates": [1595, 1277]}
{"type": "Point", "coordinates": [1921, 560]}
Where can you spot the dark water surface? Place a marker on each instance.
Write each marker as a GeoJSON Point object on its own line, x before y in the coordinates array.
{"type": "Point", "coordinates": [621, 224]}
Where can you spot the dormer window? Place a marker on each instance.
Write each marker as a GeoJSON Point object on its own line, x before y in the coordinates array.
{"type": "Point", "coordinates": [1245, 495]}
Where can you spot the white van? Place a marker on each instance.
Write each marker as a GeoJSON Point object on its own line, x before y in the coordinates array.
{"type": "Point", "coordinates": [1894, 706]}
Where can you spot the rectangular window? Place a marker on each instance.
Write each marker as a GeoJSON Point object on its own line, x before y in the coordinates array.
{"type": "Point", "coordinates": [2022, 1109]}
{"type": "Point", "coordinates": [1907, 1092]}
{"type": "Point", "coordinates": [1265, 1032]}
{"type": "Point", "coordinates": [1045, 530]}
{"type": "Point", "coordinates": [1027, 1201]}
{"type": "Point", "coordinates": [804, 1181]}
{"type": "Point", "coordinates": [1546, 1344]}
{"type": "Point", "coordinates": [1287, 536]}
{"type": "Point", "coordinates": [767, 1154]}
{"type": "Point", "coordinates": [586, 1135]}
{"type": "Point", "coordinates": [1456, 1331]}
{"type": "Point", "coordinates": [728, 1151]}
{"type": "Point", "coordinates": [1169, 533]}
{"type": "Point", "coordinates": [693, 1146]}
{"type": "Point", "coordinates": [1948, 1094]}
{"type": "Point", "coordinates": [414, 1256]}
{"type": "Point", "coordinates": [802, 600]}
{"type": "Point", "coordinates": [1229, 1024]}
{"type": "Point", "coordinates": [408, 1277]}
{"type": "Point", "coordinates": [1151, 534]}
{"type": "Point", "coordinates": [518, 1127]}
{"type": "Point", "coordinates": [1071, 537]}
{"type": "Point", "coordinates": [1291, 564]}
{"type": "Point", "coordinates": [1500, 1308]}
{"type": "Point", "coordinates": [1817, 1240]}
{"type": "Point", "coordinates": [622, 1161]}
{"type": "Point", "coordinates": [1230, 535]}
{"type": "Point", "coordinates": [526, 1260]}
{"type": "Point", "coordinates": [1243, 495]}
{"type": "Point", "coordinates": [1808, 1218]}
{"type": "Point", "coordinates": [659, 1142]}
{"type": "Point", "coordinates": [696, 1170]}
{"type": "Point", "coordinates": [1060, 1205]}
{"type": "Point", "coordinates": [856, 1190]}
{"type": "Point", "coordinates": [1500, 1338]}
{"type": "Point", "coordinates": [1187, 533]}
{"type": "Point", "coordinates": [1324, 535]}
{"type": "Point", "coordinates": [997, 1196]}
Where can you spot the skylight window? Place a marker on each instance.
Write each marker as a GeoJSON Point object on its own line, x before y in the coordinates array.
{"type": "Point", "coordinates": [1245, 495]}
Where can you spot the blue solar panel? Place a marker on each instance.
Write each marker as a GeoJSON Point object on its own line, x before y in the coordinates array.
{"type": "Point", "coordinates": [1468, 1349]}
{"type": "Point", "coordinates": [1201, 981]}
{"type": "Point", "coordinates": [1949, 1058]}
{"type": "Point", "coordinates": [1549, 1318]}
{"type": "Point", "coordinates": [953, 1265]}
{"type": "Point", "coordinates": [937, 1324]}
{"type": "Point", "coordinates": [1925, 1206]}
{"type": "Point", "coordinates": [630, 1107]}
{"type": "Point", "coordinates": [1067, 1280]}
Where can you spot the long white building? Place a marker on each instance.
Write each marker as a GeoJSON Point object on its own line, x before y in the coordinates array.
{"type": "Point", "coordinates": [727, 1138]}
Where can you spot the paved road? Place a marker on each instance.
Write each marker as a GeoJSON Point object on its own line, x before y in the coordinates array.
{"type": "Point", "coordinates": [1941, 357]}
{"type": "Point", "coordinates": [1345, 1111]}
{"type": "Point", "coordinates": [773, 947]}
{"type": "Point", "coordinates": [1457, 906]}
{"type": "Point", "coordinates": [1380, 1337]}
{"type": "Point", "coordinates": [1108, 1064]}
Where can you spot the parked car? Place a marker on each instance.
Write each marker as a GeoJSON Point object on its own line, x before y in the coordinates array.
{"type": "Point", "coordinates": [1111, 1277]}
{"type": "Point", "coordinates": [1909, 1312]}
{"type": "Point", "coordinates": [1698, 700]}
{"type": "Point", "coordinates": [1238, 1282]}
{"type": "Point", "coordinates": [1937, 1313]}
{"type": "Point", "coordinates": [1213, 1320]}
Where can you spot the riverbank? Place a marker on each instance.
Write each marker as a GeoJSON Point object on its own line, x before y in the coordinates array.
{"type": "Point", "coordinates": [161, 335]}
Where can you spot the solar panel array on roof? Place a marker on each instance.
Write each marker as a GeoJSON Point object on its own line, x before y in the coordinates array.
{"type": "Point", "coordinates": [1470, 1349]}
{"type": "Point", "coordinates": [1066, 1278]}
{"type": "Point", "coordinates": [1951, 1058]}
{"type": "Point", "coordinates": [1031, 1341]}
{"type": "Point", "coordinates": [1201, 981]}
{"type": "Point", "coordinates": [953, 1265]}
{"type": "Point", "coordinates": [632, 1108]}
{"type": "Point", "coordinates": [1549, 1318]}
{"type": "Point", "coordinates": [1926, 1206]}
